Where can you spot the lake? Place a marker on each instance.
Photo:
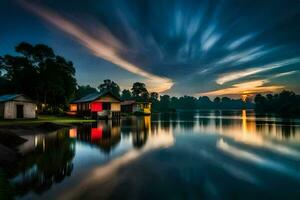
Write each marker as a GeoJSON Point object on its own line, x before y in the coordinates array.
{"type": "Point", "coordinates": [183, 155]}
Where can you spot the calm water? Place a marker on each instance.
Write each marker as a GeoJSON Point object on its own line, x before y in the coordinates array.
{"type": "Point", "coordinates": [187, 155]}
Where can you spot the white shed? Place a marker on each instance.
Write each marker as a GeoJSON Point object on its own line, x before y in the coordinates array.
{"type": "Point", "coordinates": [17, 106]}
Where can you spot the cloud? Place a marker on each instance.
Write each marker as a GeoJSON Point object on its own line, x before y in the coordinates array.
{"type": "Point", "coordinates": [227, 77]}
{"type": "Point", "coordinates": [106, 48]}
{"type": "Point", "coordinates": [235, 44]}
{"type": "Point", "coordinates": [251, 87]}
{"type": "Point", "coordinates": [243, 56]}
{"type": "Point", "coordinates": [284, 74]}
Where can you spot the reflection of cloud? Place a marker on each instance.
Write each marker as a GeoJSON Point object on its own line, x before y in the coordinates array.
{"type": "Point", "coordinates": [241, 74]}
{"type": "Point", "coordinates": [231, 169]}
{"type": "Point", "coordinates": [107, 48]}
{"type": "Point", "coordinates": [250, 87]}
{"type": "Point", "coordinates": [106, 172]}
{"type": "Point", "coordinates": [253, 158]}
{"type": "Point", "coordinates": [245, 155]}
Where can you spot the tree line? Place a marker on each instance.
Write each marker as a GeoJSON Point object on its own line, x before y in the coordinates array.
{"type": "Point", "coordinates": [284, 103]}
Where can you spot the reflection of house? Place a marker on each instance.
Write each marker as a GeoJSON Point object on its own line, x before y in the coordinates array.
{"type": "Point", "coordinates": [105, 104]}
{"type": "Point", "coordinates": [15, 106]}
{"type": "Point", "coordinates": [137, 107]}
{"type": "Point", "coordinates": [104, 134]}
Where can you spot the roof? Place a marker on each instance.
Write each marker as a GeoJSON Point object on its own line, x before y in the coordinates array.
{"type": "Point", "coordinates": [130, 102]}
{"type": "Point", "coordinates": [9, 97]}
{"type": "Point", "coordinates": [94, 96]}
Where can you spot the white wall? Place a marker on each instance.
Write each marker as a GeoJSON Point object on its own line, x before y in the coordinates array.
{"type": "Point", "coordinates": [10, 109]}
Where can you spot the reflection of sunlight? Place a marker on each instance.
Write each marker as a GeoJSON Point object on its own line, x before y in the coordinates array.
{"type": "Point", "coordinates": [161, 139]}
{"type": "Point", "coordinates": [246, 131]}
{"type": "Point", "coordinates": [244, 119]}
{"type": "Point", "coordinates": [253, 158]}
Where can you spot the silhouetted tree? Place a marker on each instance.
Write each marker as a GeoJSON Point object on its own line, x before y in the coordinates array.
{"type": "Point", "coordinates": [83, 90]}
{"type": "Point", "coordinates": [155, 102]}
{"type": "Point", "coordinates": [286, 102]}
{"type": "Point", "coordinates": [140, 92]}
{"type": "Point", "coordinates": [126, 95]}
{"type": "Point", "coordinates": [165, 103]}
{"type": "Point", "coordinates": [109, 85]}
{"type": "Point", "coordinates": [39, 73]}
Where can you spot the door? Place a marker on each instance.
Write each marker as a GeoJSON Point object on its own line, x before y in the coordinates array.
{"type": "Point", "coordinates": [20, 111]}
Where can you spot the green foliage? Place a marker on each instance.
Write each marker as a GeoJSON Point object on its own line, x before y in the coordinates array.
{"type": "Point", "coordinates": [84, 90]}
{"type": "Point", "coordinates": [140, 92]}
{"type": "Point", "coordinates": [126, 95]}
{"type": "Point", "coordinates": [109, 85]}
{"type": "Point", "coordinates": [40, 74]}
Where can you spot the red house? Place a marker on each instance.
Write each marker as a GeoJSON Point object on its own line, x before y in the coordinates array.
{"type": "Point", "coordinates": [97, 105]}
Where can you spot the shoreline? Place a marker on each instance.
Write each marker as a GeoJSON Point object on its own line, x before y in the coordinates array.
{"type": "Point", "coordinates": [11, 137]}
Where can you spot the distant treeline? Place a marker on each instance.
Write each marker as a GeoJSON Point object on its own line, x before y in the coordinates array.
{"type": "Point", "coordinates": [167, 103]}
{"type": "Point", "coordinates": [284, 103]}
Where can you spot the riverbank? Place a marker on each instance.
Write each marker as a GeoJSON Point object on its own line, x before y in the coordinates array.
{"type": "Point", "coordinates": [11, 132]}
{"type": "Point", "coordinates": [46, 118]}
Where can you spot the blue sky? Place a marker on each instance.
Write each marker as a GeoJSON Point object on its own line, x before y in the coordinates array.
{"type": "Point", "coordinates": [210, 47]}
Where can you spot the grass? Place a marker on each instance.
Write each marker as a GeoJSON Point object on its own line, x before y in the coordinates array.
{"type": "Point", "coordinates": [46, 118]}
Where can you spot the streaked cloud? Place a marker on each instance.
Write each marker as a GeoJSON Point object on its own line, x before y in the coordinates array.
{"type": "Point", "coordinates": [284, 74]}
{"type": "Point", "coordinates": [245, 55]}
{"type": "Point", "coordinates": [235, 44]}
{"type": "Point", "coordinates": [251, 87]}
{"type": "Point", "coordinates": [107, 47]}
{"type": "Point", "coordinates": [227, 77]}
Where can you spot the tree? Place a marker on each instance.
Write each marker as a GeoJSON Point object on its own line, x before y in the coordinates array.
{"type": "Point", "coordinates": [109, 85]}
{"type": "Point", "coordinates": [154, 96]}
{"type": "Point", "coordinates": [84, 90]}
{"type": "Point", "coordinates": [140, 92]}
{"type": "Point", "coordinates": [155, 101]}
{"type": "Point", "coordinates": [260, 102]}
{"type": "Point", "coordinates": [217, 102]}
{"type": "Point", "coordinates": [126, 95]}
{"type": "Point", "coordinates": [40, 74]}
{"type": "Point", "coordinates": [165, 103]}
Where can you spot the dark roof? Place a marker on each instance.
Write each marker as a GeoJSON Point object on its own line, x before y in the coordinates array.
{"type": "Point", "coordinates": [94, 96]}
{"type": "Point", "coordinates": [8, 97]}
{"type": "Point", "coordinates": [130, 102]}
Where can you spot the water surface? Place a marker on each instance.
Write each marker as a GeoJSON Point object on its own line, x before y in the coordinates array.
{"type": "Point", "coordinates": [184, 155]}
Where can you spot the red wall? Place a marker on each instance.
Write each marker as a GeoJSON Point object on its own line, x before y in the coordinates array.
{"type": "Point", "coordinates": [96, 106]}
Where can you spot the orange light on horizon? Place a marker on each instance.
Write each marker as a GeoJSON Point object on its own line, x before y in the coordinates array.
{"type": "Point", "coordinates": [244, 97]}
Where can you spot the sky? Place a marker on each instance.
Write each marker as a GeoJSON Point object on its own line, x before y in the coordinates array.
{"type": "Point", "coordinates": [176, 47]}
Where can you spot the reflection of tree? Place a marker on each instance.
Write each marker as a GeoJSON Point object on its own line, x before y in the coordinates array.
{"type": "Point", "coordinates": [288, 128]}
{"type": "Point", "coordinates": [139, 137]}
{"type": "Point", "coordinates": [111, 136]}
{"type": "Point", "coordinates": [49, 163]}
{"type": "Point", "coordinates": [6, 189]}
{"type": "Point", "coordinates": [139, 127]}
{"type": "Point", "coordinates": [285, 129]}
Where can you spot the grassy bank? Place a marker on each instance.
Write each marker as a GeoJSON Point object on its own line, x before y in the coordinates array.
{"type": "Point", "coordinates": [46, 118]}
